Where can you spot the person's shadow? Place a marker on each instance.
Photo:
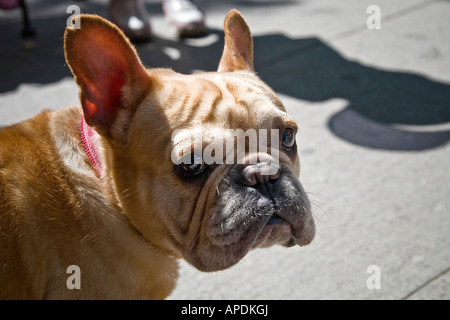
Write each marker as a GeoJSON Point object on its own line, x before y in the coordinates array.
{"type": "Point", "coordinates": [379, 102]}
{"type": "Point", "coordinates": [386, 110]}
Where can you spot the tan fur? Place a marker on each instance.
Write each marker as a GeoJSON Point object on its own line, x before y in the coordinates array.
{"type": "Point", "coordinates": [127, 228]}
{"type": "Point", "coordinates": [52, 217]}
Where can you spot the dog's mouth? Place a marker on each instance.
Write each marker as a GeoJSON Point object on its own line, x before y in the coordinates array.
{"type": "Point", "coordinates": [244, 218]}
{"type": "Point", "coordinates": [275, 230]}
{"type": "Point", "coordinates": [255, 219]}
{"type": "Point", "coordinates": [275, 219]}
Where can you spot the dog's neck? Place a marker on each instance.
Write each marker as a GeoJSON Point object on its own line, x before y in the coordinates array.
{"type": "Point", "coordinates": [91, 139]}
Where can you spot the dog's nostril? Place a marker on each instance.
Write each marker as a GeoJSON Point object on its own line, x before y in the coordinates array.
{"type": "Point", "coordinates": [251, 175]}
{"type": "Point", "coordinates": [260, 174]}
{"type": "Point", "coordinates": [274, 177]}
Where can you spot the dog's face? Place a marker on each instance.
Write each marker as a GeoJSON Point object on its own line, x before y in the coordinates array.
{"type": "Point", "coordinates": [181, 149]}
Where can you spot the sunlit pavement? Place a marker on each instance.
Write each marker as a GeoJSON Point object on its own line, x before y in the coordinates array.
{"type": "Point", "coordinates": [373, 106]}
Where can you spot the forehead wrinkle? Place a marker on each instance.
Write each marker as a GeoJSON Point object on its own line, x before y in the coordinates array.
{"type": "Point", "coordinates": [204, 134]}
{"type": "Point", "coordinates": [239, 100]}
{"type": "Point", "coordinates": [187, 96]}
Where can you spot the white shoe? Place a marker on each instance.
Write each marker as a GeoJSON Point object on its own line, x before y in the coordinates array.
{"type": "Point", "coordinates": [186, 16]}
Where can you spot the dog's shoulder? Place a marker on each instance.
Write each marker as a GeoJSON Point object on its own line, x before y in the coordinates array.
{"type": "Point", "coordinates": [24, 150]}
{"type": "Point", "coordinates": [19, 137]}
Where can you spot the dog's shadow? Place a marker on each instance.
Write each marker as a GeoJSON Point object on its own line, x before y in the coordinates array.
{"type": "Point", "coordinates": [379, 102]}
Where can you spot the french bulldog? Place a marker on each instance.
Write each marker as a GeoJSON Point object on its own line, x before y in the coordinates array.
{"type": "Point", "coordinates": [100, 201]}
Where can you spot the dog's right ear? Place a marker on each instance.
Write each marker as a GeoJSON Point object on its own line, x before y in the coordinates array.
{"type": "Point", "coordinates": [107, 69]}
{"type": "Point", "coordinates": [238, 51]}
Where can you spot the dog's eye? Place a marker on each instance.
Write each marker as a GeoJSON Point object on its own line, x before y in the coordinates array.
{"type": "Point", "coordinates": [192, 166]}
{"type": "Point", "coordinates": [288, 138]}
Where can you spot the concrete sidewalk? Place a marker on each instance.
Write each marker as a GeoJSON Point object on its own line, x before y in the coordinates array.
{"type": "Point", "coordinates": [374, 113]}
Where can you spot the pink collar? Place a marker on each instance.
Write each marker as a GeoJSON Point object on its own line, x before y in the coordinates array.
{"type": "Point", "coordinates": [90, 139]}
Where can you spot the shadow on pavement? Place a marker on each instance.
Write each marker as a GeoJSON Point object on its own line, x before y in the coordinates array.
{"type": "Point", "coordinates": [385, 109]}
{"type": "Point", "coordinates": [379, 102]}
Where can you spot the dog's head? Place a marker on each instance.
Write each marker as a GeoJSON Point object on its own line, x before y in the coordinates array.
{"type": "Point", "coordinates": [204, 166]}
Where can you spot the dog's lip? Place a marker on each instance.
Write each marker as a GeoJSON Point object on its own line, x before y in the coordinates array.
{"type": "Point", "coordinates": [272, 223]}
{"type": "Point", "coordinates": [275, 219]}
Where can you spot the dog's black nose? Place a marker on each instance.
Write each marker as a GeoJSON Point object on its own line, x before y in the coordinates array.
{"type": "Point", "coordinates": [263, 176]}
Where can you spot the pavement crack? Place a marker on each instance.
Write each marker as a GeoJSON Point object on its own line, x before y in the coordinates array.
{"type": "Point", "coordinates": [423, 285]}
{"type": "Point", "coordinates": [384, 18]}
{"type": "Point", "coordinates": [345, 34]}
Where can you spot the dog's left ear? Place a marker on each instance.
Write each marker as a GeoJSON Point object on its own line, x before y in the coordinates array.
{"type": "Point", "coordinates": [107, 69]}
{"type": "Point", "coordinates": [238, 51]}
